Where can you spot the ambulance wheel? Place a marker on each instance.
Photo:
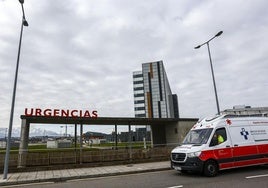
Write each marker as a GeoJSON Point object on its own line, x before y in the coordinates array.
{"type": "Point", "coordinates": [211, 168]}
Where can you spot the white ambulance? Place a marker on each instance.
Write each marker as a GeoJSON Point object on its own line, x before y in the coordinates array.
{"type": "Point", "coordinates": [223, 142]}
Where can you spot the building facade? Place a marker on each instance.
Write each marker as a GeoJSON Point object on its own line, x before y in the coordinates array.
{"type": "Point", "coordinates": [152, 93]}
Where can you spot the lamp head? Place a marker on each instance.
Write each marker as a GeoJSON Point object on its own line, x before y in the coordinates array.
{"type": "Point", "coordinates": [219, 33]}
{"type": "Point", "coordinates": [21, 1]}
{"type": "Point", "coordinates": [25, 23]}
{"type": "Point", "coordinates": [197, 47]}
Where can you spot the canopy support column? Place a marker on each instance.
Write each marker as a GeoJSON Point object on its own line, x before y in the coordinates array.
{"type": "Point", "coordinates": [24, 139]}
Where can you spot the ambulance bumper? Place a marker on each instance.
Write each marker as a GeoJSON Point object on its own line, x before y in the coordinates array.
{"type": "Point", "coordinates": [191, 164]}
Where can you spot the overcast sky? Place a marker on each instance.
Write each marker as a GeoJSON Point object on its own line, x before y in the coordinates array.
{"type": "Point", "coordinates": [80, 54]}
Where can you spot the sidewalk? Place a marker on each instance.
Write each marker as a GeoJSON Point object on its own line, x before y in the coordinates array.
{"type": "Point", "coordinates": [80, 173]}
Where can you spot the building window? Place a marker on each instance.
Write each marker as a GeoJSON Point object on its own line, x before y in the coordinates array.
{"type": "Point", "coordinates": [138, 88]}
{"type": "Point", "coordinates": [137, 75]}
{"type": "Point", "coordinates": [139, 108]}
{"type": "Point", "coordinates": [139, 102]}
{"type": "Point", "coordinates": [139, 95]}
{"type": "Point", "coordinates": [140, 115]}
{"type": "Point", "coordinates": [219, 137]}
{"type": "Point", "coordinates": [138, 82]}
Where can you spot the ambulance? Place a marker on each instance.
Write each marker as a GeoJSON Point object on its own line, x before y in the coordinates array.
{"type": "Point", "coordinates": [244, 142]}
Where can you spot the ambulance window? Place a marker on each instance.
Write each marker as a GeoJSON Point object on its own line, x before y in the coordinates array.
{"type": "Point", "coordinates": [218, 137]}
{"type": "Point", "coordinates": [198, 136]}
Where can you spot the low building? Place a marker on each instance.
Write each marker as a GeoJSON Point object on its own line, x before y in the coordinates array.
{"type": "Point", "coordinates": [246, 110]}
{"type": "Point", "coordinates": [59, 143]}
{"type": "Point", "coordinates": [3, 144]}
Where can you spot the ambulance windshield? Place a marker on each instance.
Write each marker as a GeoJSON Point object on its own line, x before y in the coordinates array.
{"type": "Point", "coordinates": [197, 136]}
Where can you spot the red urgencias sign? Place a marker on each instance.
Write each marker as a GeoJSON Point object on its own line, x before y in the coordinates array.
{"type": "Point", "coordinates": [60, 113]}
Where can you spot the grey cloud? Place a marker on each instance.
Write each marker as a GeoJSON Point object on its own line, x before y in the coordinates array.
{"type": "Point", "coordinates": [81, 54]}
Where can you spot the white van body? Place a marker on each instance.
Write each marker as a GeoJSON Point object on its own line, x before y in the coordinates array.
{"type": "Point", "coordinates": [245, 144]}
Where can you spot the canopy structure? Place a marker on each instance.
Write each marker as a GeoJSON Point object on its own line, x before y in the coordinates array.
{"type": "Point", "coordinates": [163, 130]}
{"type": "Point", "coordinates": [101, 120]}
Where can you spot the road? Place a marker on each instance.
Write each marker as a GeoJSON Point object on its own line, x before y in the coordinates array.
{"type": "Point", "coordinates": [256, 177]}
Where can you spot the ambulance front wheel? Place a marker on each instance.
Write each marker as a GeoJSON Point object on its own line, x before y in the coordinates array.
{"type": "Point", "coordinates": [211, 168]}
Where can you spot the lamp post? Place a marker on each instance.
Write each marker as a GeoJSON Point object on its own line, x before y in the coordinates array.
{"type": "Point", "coordinates": [23, 23]}
{"type": "Point", "coordinates": [211, 66]}
{"type": "Point", "coordinates": [66, 129]}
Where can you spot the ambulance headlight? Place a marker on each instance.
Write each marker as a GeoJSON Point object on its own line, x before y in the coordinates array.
{"type": "Point", "coordinates": [194, 154]}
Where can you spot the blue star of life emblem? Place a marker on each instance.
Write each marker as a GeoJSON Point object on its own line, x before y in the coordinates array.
{"type": "Point", "coordinates": [244, 133]}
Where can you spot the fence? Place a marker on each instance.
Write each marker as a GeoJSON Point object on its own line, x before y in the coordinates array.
{"type": "Point", "coordinates": [73, 158]}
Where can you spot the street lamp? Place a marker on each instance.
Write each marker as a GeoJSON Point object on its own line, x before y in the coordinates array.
{"type": "Point", "coordinates": [212, 72]}
{"type": "Point", "coordinates": [23, 23]}
{"type": "Point", "coordinates": [66, 129]}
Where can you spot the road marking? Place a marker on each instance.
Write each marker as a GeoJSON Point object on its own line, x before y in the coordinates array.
{"type": "Point", "coordinates": [257, 176]}
{"type": "Point", "coordinates": [178, 186]}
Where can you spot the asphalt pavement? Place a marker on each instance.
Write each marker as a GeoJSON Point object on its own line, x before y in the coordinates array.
{"type": "Point", "coordinates": [80, 173]}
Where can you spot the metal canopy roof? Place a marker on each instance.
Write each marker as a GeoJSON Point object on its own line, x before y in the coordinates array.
{"type": "Point", "coordinates": [103, 120]}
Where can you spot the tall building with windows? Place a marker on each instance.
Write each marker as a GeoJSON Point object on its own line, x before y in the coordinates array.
{"type": "Point", "coordinates": [152, 94]}
{"type": "Point", "coordinates": [139, 100]}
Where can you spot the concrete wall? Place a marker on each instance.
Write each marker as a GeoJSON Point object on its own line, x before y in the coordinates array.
{"type": "Point", "coordinates": [158, 135]}
{"type": "Point", "coordinates": [171, 134]}
{"type": "Point", "coordinates": [184, 127]}
{"type": "Point", "coordinates": [176, 132]}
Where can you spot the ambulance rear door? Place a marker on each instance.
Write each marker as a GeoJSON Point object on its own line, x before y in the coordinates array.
{"type": "Point", "coordinates": [259, 132]}
{"type": "Point", "coordinates": [244, 148]}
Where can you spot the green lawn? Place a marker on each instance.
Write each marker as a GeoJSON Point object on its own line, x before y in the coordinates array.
{"type": "Point", "coordinates": [43, 147]}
